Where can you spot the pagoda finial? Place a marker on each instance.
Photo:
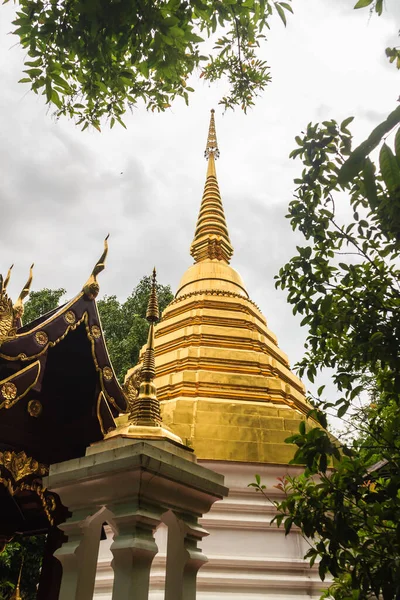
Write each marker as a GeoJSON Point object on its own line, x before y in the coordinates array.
{"type": "Point", "coordinates": [212, 144]}
{"type": "Point", "coordinates": [19, 305]}
{"type": "Point", "coordinates": [91, 287]}
{"type": "Point", "coordinates": [145, 410]}
{"type": "Point", "coordinates": [211, 239]}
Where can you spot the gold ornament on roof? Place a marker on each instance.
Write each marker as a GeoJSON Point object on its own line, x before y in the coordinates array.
{"type": "Point", "coordinates": [131, 386]}
{"type": "Point", "coordinates": [9, 391]}
{"type": "Point", "coordinates": [211, 238]}
{"type": "Point", "coordinates": [96, 331]}
{"type": "Point", "coordinates": [7, 324]}
{"type": "Point", "coordinates": [91, 287]}
{"type": "Point", "coordinates": [107, 373]}
{"type": "Point", "coordinates": [70, 317]}
{"type": "Point", "coordinates": [35, 408]}
{"type": "Point", "coordinates": [19, 305]}
{"type": "Point", "coordinates": [41, 338]}
{"type": "Point", "coordinates": [19, 465]}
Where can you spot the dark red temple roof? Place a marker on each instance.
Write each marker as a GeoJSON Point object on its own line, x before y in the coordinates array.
{"type": "Point", "coordinates": [58, 395]}
{"type": "Point", "coordinates": [60, 361]}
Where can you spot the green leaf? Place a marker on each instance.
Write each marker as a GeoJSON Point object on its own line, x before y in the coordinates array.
{"type": "Point", "coordinates": [389, 168]}
{"type": "Point", "coordinates": [397, 144]}
{"type": "Point", "coordinates": [370, 184]}
{"type": "Point", "coordinates": [363, 3]}
{"type": "Point", "coordinates": [281, 12]}
{"type": "Point", "coordinates": [355, 162]}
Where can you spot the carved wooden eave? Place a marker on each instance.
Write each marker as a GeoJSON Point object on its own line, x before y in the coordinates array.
{"type": "Point", "coordinates": [33, 341]}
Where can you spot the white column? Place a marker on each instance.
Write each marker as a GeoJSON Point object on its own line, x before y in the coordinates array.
{"type": "Point", "coordinates": [184, 558]}
{"type": "Point", "coordinates": [78, 555]}
{"type": "Point", "coordinates": [133, 550]}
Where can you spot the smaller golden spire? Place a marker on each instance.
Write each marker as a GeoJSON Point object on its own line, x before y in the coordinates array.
{"type": "Point", "coordinates": [153, 313]}
{"type": "Point", "coordinates": [16, 595]}
{"type": "Point", "coordinates": [91, 287]}
{"type": "Point", "coordinates": [145, 410]}
{"type": "Point", "coordinates": [19, 304]}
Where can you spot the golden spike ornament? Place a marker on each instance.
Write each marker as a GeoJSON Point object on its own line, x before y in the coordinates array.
{"type": "Point", "coordinates": [7, 320]}
{"type": "Point", "coordinates": [211, 238]}
{"type": "Point", "coordinates": [16, 595]}
{"type": "Point", "coordinates": [91, 287]}
{"type": "Point", "coordinates": [145, 410]}
{"type": "Point", "coordinates": [19, 304]}
{"type": "Point", "coordinates": [7, 279]}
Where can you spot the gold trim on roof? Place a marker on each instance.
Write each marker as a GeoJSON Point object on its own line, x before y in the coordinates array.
{"type": "Point", "coordinates": [9, 402]}
{"type": "Point", "coordinates": [211, 239]}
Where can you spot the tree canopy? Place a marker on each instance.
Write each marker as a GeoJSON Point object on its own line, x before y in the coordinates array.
{"type": "Point", "coordinates": [95, 58]}
{"type": "Point", "coordinates": [345, 283]}
{"type": "Point", "coordinates": [125, 326]}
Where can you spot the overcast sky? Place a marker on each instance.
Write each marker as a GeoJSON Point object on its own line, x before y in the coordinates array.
{"type": "Point", "coordinates": [62, 191]}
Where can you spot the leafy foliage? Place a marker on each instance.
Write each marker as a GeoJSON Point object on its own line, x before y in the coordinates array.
{"type": "Point", "coordinates": [42, 302]}
{"type": "Point", "coordinates": [125, 326]}
{"type": "Point", "coordinates": [30, 551]}
{"type": "Point", "coordinates": [345, 284]}
{"type": "Point", "coordinates": [96, 58]}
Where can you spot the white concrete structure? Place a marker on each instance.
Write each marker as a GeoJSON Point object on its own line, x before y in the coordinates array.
{"type": "Point", "coordinates": [133, 486]}
{"type": "Point", "coordinates": [248, 559]}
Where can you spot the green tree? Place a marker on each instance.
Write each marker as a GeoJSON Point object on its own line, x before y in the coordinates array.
{"type": "Point", "coordinates": [30, 551]}
{"type": "Point", "coordinates": [96, 58]}
{"type": "Point", "coordinates": [125, 326]}
{"type": "Point", "coordinates": [345, 282]}
{"type": "Point", "coordinates": [40, 303]}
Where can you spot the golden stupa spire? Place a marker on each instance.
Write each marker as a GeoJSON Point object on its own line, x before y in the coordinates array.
{"type": "Point", "coordinates": [211, 238]}
{"type": "Point", "coordinates": [145, 410]}
{"type": "Point", "coordinates": [16, 595]}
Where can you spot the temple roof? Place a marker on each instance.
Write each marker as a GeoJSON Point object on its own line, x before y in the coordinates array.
{"type": "Point", "coordinates": [58, 389]}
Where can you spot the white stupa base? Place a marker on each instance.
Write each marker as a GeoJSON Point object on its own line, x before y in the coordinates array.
{"type": "Point", "coordinates": [248, 559]}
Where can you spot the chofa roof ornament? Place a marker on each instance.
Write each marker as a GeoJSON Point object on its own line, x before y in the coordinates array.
{"type": "Point", "coordinates": [11, 315]}
{"type": "Point", "coordinates": [91, 287]}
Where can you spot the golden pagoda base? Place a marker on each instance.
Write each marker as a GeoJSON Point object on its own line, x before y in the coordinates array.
{"type": "Point", "coordinates": [143, 432]}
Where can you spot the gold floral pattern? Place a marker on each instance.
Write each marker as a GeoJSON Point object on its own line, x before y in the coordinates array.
{"type": "Point", "coordinates": [20, 465]}
{"type": "Point", "coordinates": [41, 338]}
{"type": "Point", "coordinates": [96, 331]}
{"type": "Point", "coordinates": [107, 373]}
{"type": "Point", "coordinates": [70, 317]}
{"type": "Point", "coordinates": [9, 391]}
{"type": "Point", "coordinates": [34, 408]}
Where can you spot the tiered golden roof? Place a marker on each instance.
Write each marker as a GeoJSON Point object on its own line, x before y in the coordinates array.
{"type": "Point", "coordinates": [224, 384]}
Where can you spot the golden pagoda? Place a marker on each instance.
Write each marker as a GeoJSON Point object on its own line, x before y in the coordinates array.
{"type": "Point", "coordinates": [224, 385]}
